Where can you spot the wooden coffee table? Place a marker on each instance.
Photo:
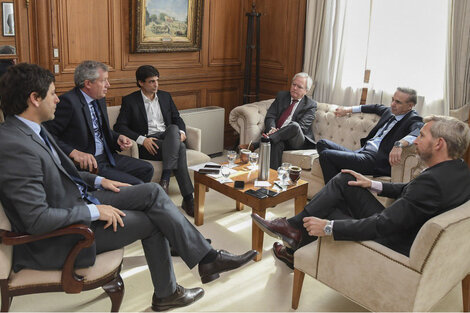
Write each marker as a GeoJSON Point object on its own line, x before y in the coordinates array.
{"type": "Point", "coordinates": [259, 206]}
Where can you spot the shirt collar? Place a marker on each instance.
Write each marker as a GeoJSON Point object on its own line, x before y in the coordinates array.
{"type": "Point", "coordinates": [33, 125]}
{"type": "Point", "coordinates": [147, 99]}
{"type": "Point", "coordinates": [400, 117]}
{"type": "Point", "coordinates": [88, 99]}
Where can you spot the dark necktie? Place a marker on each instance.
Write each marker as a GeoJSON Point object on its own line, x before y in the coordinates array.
{"type": "Point", "coordinates": [109, 154]}
{"type": "Point", "coordinates": [82, 186]}
{"type": "Point", "coordinates": [390, 120]}
{"type": "Point", "coordinates": [286, 114]}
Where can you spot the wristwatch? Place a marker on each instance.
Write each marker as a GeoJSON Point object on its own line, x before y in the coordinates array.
{"type": "Point", "coordinates": [328, 229]}
{"type": "Point", "coordinates": [398, 144]}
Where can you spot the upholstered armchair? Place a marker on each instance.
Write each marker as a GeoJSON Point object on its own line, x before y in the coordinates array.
{"type": "Point", "coordinates": [193, 144]}
{"type": "Point", "coordinates": [381, 279]}
{"type": "Point", "coordinates": [104, 273]}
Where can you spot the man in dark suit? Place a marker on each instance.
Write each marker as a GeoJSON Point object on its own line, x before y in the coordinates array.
{"type": "Point", "coordinates": [81, 128]}
{"type": "Point", "coordinates": [346, 209]}
{"type": "Point", "coordinates": [288, 122]}
{"type": "Point", "coordinates": [398, 127]}
{"type": "Point", "coordinates": [41, 190]}
{"type": "Point", "coordinates": [149, 116]}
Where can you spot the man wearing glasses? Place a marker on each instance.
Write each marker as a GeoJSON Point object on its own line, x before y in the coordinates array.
{"type": "Point", "coordinates": [288, 122]}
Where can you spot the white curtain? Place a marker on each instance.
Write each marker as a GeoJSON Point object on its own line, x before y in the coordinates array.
{"type": "Point", "coordinates": [402, 42]}
{"type": "Point", "coordinates": [458, 60]}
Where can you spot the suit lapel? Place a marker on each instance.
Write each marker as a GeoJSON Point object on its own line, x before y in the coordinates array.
{"type": "Point", "coordinates": [163, 108]}
{"type": "Point", "coordinates": [85, 110]}
{"type": "Point", "coordinates": [298, 109]}
{"type": "Point", "coordinates": [141, 109]}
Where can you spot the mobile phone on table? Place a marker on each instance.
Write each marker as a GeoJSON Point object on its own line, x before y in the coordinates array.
{"type": "Point", "coordinates": [212, 166]}
{"type": "Point", "coordinates": [239, 184]}
{"type": "Point", "coordinates": [269, 193]}
{"type": "Point", "coordinates": [256, 193]}
{"type": "Point", "coordinates": [208, 170]}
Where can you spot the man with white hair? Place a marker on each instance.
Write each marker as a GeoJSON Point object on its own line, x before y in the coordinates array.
{"type": "Point", "coordinates": [288, 122]}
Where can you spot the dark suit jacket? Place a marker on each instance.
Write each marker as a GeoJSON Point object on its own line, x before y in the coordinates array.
{"type": "Point", "coordinates": [132, 120]}
{"type": "Point", "coordinates": [39, 196]}
{"type": "Point", "coordinates": [304, 113]}
{"type": "Point", "coordinates": [410, 123]}
{"type": "Point", "coordinates": [72, 126]}
{"type": "Point", "coordinates": [438, 189]}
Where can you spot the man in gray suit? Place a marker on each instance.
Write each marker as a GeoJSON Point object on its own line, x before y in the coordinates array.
{"type": "Point", "coordinates": [41, 190]}
{"type": "Point", "coordinates": [288, 122]}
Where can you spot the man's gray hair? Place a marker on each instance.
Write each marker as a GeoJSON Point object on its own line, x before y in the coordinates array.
{"type": "Point", "coordinates": [412, 95]}
{"type": "Point", "coordinates": [305, 75]}
{"type": "Point", "coordinates": [455, 133]}
{"type": "Point", "coordinates": [88, 70]}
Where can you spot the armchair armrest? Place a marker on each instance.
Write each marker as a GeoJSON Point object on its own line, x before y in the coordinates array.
{"type": "Point", "coordinates": [193, 138]}
{"type": "Point", "coordinates": [409, 167]}
{"type": "Point", "coordinates": [71, 282]}
{"type": "Point", "coordinates": [248, 120]}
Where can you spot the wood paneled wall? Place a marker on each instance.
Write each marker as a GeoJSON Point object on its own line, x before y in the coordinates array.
{"type": "Point", "coordinates": [213, 76]}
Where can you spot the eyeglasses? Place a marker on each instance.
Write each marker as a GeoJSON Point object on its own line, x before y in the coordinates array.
{"type": "Point", "coordinates": [297, 86]}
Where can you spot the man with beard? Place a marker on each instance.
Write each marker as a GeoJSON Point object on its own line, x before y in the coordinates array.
{"type": "Point", "coordinates": [346, 209]}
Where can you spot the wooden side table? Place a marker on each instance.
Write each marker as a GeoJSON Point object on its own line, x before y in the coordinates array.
{"type": "Point", "coordinates": [259, 206]}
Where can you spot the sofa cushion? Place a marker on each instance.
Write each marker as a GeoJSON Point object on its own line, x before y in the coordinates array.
{"type": "Point", "coordinates": [302, 158]}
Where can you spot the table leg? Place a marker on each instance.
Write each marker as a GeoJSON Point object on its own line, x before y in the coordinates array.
{"type": "Point", "coordinates": [300, 203]}
{"type": "Point", "coordinates": [257, 236]}
{"type": "Point", "coordinates": [239, 206]}
{"type": "Point", "coordinates": [199, 198]}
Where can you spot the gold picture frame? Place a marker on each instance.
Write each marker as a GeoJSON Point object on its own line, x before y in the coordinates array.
{"type": "Point", "coordinates": [166, 26]}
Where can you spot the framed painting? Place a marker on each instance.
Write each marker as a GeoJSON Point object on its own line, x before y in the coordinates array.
{"type": "Point", "coordinates": [165, 25]}
{"type": "Point", "coordinates": [8, 19]}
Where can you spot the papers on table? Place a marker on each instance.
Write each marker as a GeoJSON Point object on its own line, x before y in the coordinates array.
{"type": "Point", "coordinates": [262, 183]}
{"type": "Point", "coordinates": [197, 167]}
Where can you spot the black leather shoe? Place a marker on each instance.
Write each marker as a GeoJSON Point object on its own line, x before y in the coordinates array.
{"type": "Point", "coordinates": [181, 297]}
{"type": "Point", "coordinates": [279, 228]}
{"type": "Point", "coordinates": [173, 252]}
{"type": "Point", "coordinates": [188, 207]}
{"type": "Point", "coordinates": [281, 254]}
{"type": "Point", "coordinates": [165, 185]}
{"type": "Point", "coordinates": [224, 262]}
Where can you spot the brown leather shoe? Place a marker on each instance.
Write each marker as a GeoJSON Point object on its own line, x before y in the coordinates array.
{"type": "Point", "coordinates": [188, 206]}
{"type": "Point", "coordinates": [165, 185]}
{"type": "Point", "coordinates": [281, 253]}
{"type": "Point", "coordinates": [224, 262]}
{"type": "Point", "coordinates": [279, 228]}
{"type": "Point", "coordinates": [181, 297]}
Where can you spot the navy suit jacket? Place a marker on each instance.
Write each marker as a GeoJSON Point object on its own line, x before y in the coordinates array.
{"type": "Point", "coordinates": [438, 189]}
{"type": "Point", "coordinates": [410, 123]}
{"type": "Point", "coordinates": [304, 113]}
{"type": "Point", "coordinates": [132, 120]}
{"type": "Point", "coordinates": [72, 126]}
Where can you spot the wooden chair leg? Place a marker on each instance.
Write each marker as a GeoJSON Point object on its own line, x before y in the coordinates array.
{"type": "Point", "coordinates": [6, 299]}
{"type": "Point", "coordinates": [466, 293]}
{"type": "Point", "coordinates": [115, 291]}
{"type": "Point", "coordinates": [297, 288]}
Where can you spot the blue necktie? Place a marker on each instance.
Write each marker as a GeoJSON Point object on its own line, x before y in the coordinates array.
{"type": "Point", "coordinates": [390, 120]}
{"type": "Point", "coordinates": [109, 154]}
{"type": "Point", "coordinates": [82, 186]}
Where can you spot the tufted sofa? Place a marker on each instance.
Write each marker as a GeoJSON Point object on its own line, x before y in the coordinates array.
{"type": "Point", "coordinates": [248, 121]}
{"type": "Point", "coordinates": [193, 144]}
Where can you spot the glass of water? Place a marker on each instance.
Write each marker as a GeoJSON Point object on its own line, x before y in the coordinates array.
{"type": "Point", "coordinates": [253, 159]}
{"type": "Point", "coordinates": [225, 172]}
{"type": "Point", "coordinates": [231, 156]}
{"type": "Point", "coordinates": [282, 172]}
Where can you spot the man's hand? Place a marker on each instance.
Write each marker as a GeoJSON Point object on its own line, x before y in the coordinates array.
{"type": "Point", "coordinates": [151, 145]}
{"type": "Point", "coordinates": [112, 185]}
{"type": "Point", "coordinates": [110, 215]}
{"type": "Point", "coordinates": [395, 155]}
{"type": "Point", "coordinates": [124, 143]}
{"type": "Point", "coordinates": [342, 111]}
{"type": "Point", "coordinates": [361, 180]}
{"type": "Point", "coordinates": [315, 226]}
{"type": "Point", "coordinates": [183, 136]}
{"type": "Point", "coordinates": [271, 131]}
{"type": "Point", "coordinates": [85, 160]}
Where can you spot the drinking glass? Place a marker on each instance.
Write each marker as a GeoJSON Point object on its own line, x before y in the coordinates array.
{"type": "Point", "coordinates": [225, 171]}
{"type": "Point", "coordinates": [285, 166]}
{"type": "Point", "coordinates": [294, 173]}
{"type": "Point", "coordinates": [253, 159]}
{"type": "Point", "coordinates": [231, 156]}
{"type": "Point", "coordinates": [281, 174]}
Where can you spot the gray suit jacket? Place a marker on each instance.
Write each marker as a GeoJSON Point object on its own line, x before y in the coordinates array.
{"type": "Point", "coordinates": [39, 196]}
{"type": "Point", "coordinates": [304, 114]}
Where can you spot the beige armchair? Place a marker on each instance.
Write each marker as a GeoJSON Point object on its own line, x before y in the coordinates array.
{"type": "Point", "coordinates": [381, 279]}
{"type": "Point", "coordinates": [104, 273]}
{"type": "Point", "coordinates": [193, 143]}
